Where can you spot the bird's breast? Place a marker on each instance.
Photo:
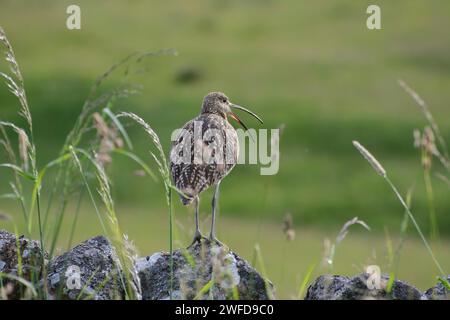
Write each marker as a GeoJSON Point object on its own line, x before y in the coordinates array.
{"type": "Point", "coordinates": [203, 153]}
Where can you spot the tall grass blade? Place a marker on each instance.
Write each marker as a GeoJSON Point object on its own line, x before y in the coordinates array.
{"type": "Point", "coordinates": [405, 206]}
{"type": "Point", "coordinates": [88, 188]}
{"type": "Point", "coordinates": [38, 184]}
{"type": "Point", "coordinates": [306, 279]}
{"type": "Point", "coordinates": [139, 161]}
{"type": "Point", "coordinates": [119, 126]}
{"type": "Point", "coordinates": [329, 256]}
{"type": "Point", "coordinates": [261, 264]}
{"type": "Point", "coordinates": [23, 281]}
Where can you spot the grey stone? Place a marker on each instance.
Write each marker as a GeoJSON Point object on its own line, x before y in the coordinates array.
{"type": "Point", "coordinates": [91, 270]}
{"type": "Point", "coordinates": [335, 287]}
{"type": "Point", "coordinates": [54, 279]}
{"type": "Point", "coordinates": [2, 265]}
{"type": "Point", "coordinates": [204, 271]}
{"type": "Point", "coordinates": [31, 261]}
{"type": "Point", "coordinates": [438, 292]}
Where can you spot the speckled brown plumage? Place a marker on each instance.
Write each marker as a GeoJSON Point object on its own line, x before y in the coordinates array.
{"type": "Point", "coordinates": [193, 178]}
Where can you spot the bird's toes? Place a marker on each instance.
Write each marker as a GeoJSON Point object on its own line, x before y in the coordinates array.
{"type": "Point", "coordinates": [198, 237]}
{"type": "Point", "coordinates": [217, 242]}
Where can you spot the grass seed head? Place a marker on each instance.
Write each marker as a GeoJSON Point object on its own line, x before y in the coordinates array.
{"type": "Point", "coordinates": [109, 139]}
{"type": "Point", "coordinates": [24, 145]}
{"type": "Point", "coordinates": [417, 135]}
{"type": "Point", "coordinates": [4, 217]}
{"type": "Point", "coordinates": [429, 141]}
{"type": "Point", "coordinates": [371, 159]}
{"type": "Point", "coordinates": [288, 227]}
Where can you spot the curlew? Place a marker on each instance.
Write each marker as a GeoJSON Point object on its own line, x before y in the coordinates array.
{"type": "Point", "coordinates": [203, 152]}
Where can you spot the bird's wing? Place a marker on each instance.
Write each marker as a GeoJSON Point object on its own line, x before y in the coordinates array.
{"type": "Point", "coordinates": [202, 153]}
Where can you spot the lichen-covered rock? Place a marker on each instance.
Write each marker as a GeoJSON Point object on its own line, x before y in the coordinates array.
{"type": "Point", "coordinates": [334, 287]}
{"type": "Point", "coordinates": [91, 270]}
{"type": "Point", "coordinates": [29, 268]}
{"type": "Point", "coordinates": [438, 292]}
{"type": "Point", "coordinates": [203, 271]}
{"type": "Point", "coordinates": [326, 287]}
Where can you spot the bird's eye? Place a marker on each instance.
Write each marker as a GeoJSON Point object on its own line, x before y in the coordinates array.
{"type": "Point", "coordinates": [224, 100]}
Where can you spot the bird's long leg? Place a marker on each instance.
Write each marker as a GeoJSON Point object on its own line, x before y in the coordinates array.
{"type": "Point", "coordinates": [212, 235]}
{"type": "Point", "coordinates": [198, 235]}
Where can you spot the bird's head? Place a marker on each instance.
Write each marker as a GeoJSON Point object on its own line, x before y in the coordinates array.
{"type": "Point", "coordinates": [219, 104]}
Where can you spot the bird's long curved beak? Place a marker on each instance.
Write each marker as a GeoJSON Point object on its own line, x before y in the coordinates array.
{"type": "Point", "coordinates": [235, 117]}
{"type": "Point", "coordinates": [235, 106]}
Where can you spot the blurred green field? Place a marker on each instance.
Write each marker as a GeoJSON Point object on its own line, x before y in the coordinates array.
{"type": "Point", "coordinates": [311, 66]}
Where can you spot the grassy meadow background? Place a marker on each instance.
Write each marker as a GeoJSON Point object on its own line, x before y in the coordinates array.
{"type": "Point", "coordinates": [312, 66]}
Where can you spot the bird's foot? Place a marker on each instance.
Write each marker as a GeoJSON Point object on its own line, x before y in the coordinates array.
{"type": "Point", "coordinates": [197, 238]}
{"type": "Point", "coordinates": [212, 238]}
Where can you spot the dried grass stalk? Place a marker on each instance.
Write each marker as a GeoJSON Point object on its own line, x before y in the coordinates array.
{"type": "Point", "coordinates": [370, 158]}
